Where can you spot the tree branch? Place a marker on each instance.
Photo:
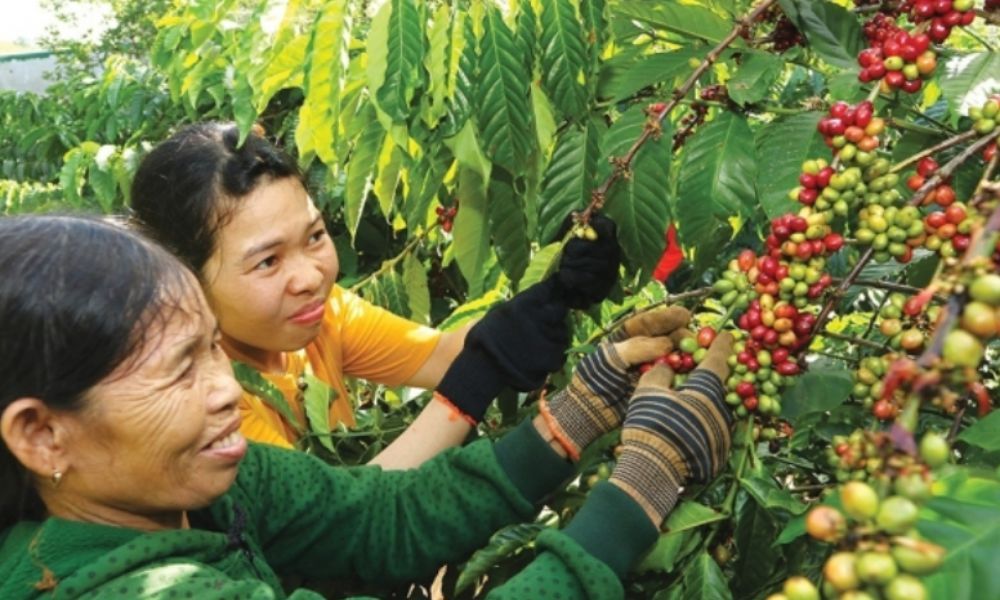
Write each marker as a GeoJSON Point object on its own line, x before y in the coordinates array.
{"type": "Point", "coordinates": [624, 163]}
{"type": "Point", "coordinates": [918, 197]}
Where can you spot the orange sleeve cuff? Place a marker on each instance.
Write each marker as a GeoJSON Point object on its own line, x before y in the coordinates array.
{"type": "Point", "coordinates": [456, 413]}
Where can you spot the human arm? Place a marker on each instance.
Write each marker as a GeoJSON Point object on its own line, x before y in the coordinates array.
{"type": "Point", "coordinates": [368, 525]}
{"type": "Point", "coordinates": [670, 437]}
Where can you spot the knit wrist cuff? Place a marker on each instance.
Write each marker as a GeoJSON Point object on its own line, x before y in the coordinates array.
{"type": "Point", "coordinates": [612, 527]}
{"type": "Point", "coordinates": [532, 465]}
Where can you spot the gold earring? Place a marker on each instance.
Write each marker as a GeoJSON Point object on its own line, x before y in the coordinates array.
{"type": "Point", "coordinates": [57, 478]}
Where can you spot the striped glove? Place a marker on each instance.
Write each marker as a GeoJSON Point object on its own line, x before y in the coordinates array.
{"type": "Point", "coordinates": [673, 437]}
{"type": "Point", "coordinates": [594, 401]}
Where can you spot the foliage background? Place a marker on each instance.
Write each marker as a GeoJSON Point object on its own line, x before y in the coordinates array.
{"type": "Point", "coordinates": [511, 110]}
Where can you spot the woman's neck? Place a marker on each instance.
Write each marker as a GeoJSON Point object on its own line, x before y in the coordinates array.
{"type": "Point", "coordinates": [70, 510]}
{"type": "Point", "coordinates": [265, 361]}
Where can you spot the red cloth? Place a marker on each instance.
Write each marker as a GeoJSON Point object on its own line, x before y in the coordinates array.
{"type": "Point", "coordinates": [672, 256]}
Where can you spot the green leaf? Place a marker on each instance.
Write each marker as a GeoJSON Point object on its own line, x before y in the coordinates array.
{"type": "Point", "coordinates": [756, 558]}
{"type": "Point", "coordinates": [971, 535]}
{"type": "Point", "coordinates": [405, 52]}
{"type": "Point", "coordinates": [284, 70]}
{"type": "Point", "coordinates": [462, 71]}
{"type": "Point", "coordinates": [545, 124]}
{"type": "Point", "coordinates": [503, 543]}
{"type": "Point", "coordinates": [687, 20]}
{"type": "Point", "coordinates": [437, 65]}
{"type": "Point", "coordinates": [253, 382]}
{"type": "Point", "coordinates": [832, 30]}
{"type": "Point", "coordinates": [504, 84]}
{"type": "Point", "coordinates": [664, 555]}
{"type": "Point", "coordinates": [526, 26]}
{"type": "Point", "coordinates": [716, 183]}
{"type": "Point", "coordinates": [625, 74]}
{"type": "Point", "coordinates": [595, 26]}
{"type": "Point", "coordinates": [360, 170]}
{"type": "Point", "coordinates": [425, 179]}
{"type": "Point", "coordinates": [786, 143]}
{"type": "Point", "coordinates": [542, 263]}
{"type": "Point", "coordinates": [472, 309]}
{"type": "Point", "coordinates": [816, 390]}
{"type": "Point", "coordinates": [639, 203]}
{"type": "Point", "coordinates": [508, 225]}
{"type": "Point", "coordinates": [984, 433]}
{"type": "Point", "coordinates": [703, 580]}
{"type": "Point", "coordinates": [691, 515]}
{"type": "Point", "coordinates": [390, 160]}
{"type": "Point", "coordinates": [317, 398]}
{"type": "Point", "coordinates": [770, 496]}
{"type": "Point", "coordinates": [754, 79]}
{"type": "Point", "coordinates": [569, 177]}
{"type": "Point", "coordinates": [967, 79]}
{"type": "Point", "coordinates": [417, 292]}
{"type": "Point", "coordinates": [794, 529]}
{"type": "Point", "coordinates": [564, 58]}
{"type": "Point", "coordinates": [471, 242]}
{"type": "Point", "coordinates": [328, 59]}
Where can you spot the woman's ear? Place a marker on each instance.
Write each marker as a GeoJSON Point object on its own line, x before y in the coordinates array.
{"type": "Point", "coordinates": [33, 434]}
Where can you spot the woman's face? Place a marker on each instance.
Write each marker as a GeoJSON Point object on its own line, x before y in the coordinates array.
{"type": "Point", "coordinates": [272, 270]}
{"type": "Point", "coordinates": [160, 434]}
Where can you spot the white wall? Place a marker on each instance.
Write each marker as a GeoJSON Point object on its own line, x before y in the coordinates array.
{"type": "Point", "coordinates": [25, 72]}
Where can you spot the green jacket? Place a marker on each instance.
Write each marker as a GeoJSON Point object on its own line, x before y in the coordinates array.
{"type": "Point", "coordinates": [289, 514]}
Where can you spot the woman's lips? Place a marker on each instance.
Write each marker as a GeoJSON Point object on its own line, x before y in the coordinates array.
{"type": "Point", "coordinates": [309, 314]}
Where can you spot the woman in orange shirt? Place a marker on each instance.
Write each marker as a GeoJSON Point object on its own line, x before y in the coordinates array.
{"type": "Point", "coordinates": [242, 220]}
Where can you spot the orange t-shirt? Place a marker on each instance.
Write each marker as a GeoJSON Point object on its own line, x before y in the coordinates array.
{"type": "Point", "coordinates": [356, 339]}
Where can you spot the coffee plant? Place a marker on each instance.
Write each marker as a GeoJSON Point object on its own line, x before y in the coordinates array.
{"type": "Point", "coordinates": [829, 166]}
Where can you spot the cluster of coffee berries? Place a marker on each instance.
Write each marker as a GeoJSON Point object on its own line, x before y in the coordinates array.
{"type": "Point", "coordinates": [943, 194]}
{"type": "Point", "coordinates": [446, 216]}
{"type": "Point", "coordinates": [690, 351]}
{"type": "Point", "coordinates": [980, 322]}
{"type": "Point", "coordinates": [984, 118]}
{"type": "Point", "coordinates": [892, 232]}
{"type": "Point", "coordinates": [800, 237]}
{"type": "Point", "coordinates": [813, 181]}
{"type": "Point", "coordinates": [948, 231]}
{"type": "Point", "coordinates": [774, 325]}
{"type": "Point", "coordinates": [896, 58]}
{"type": "Point", "coordinates": [903, 321]}
{"type": "Point", "coordinates": [944, 15]}
{"type": "Point", "coordinates": [758, 377]}
{"type": "Point", "coordinates": [849, 130]}
{"type": "Point", "coordinates": [869, 388]}
{"type": "Point", "coordinates": [879, 553]}
{"type": "Point", "coordinates": [786, 35]}
{"type": "Point", "coordinates": [841, 192]}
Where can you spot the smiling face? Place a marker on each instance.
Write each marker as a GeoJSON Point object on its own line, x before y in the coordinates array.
{"type": "Point", "coordinates": [271, 272]}
{"type": "Point", "coordinates": [160, 434]}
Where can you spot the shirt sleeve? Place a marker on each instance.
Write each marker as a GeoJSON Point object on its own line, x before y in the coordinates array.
{"type": "Point", "coordinates": [363, 524]}
{"type": "Point", "coordinates": [378, 345]}
{"type": "Point", "coordinates": [258, 423]}
{"type": "Point", "coordinates": [588, 559]}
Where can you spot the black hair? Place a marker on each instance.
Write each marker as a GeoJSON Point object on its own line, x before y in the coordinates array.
{"type": "Point", "coordinates": [189, 185]}
{"type": "Point", "coordinates": [78, 297]}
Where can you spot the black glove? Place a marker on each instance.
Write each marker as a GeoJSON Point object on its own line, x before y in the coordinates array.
{"type": "Point", "coordinates": [517, 344]}
{"type": "Point", "coordinates": [588, 269]}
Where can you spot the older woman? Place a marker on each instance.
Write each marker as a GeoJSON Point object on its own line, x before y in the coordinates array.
{"type": "Point", "coordinates": [125, 474]}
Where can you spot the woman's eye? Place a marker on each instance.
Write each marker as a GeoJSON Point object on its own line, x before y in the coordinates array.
{"type": "Point", "coordinates": [267, 263]}
{"type": "Point", "coordinates": [317, 236]}
{"type": "Point", "coordinates": [188, 370]}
